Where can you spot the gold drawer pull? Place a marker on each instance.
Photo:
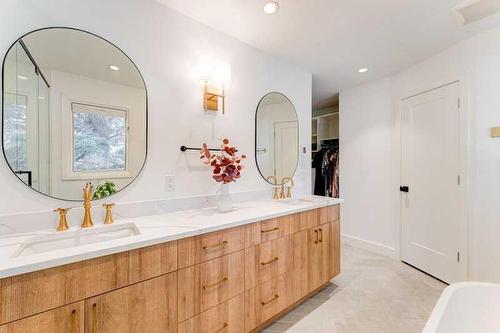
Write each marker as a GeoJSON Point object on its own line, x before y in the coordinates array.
{"type": "Point", "coordinates": [276, 296]}
{"type": "Point", "coordinates": [317, 239]}
{"type": "Point", "coordinates": [94, 318]}
{"type": "Point", "coordinates": [270, 261]}
{"type": "Point", "coordinates": [221, 244]}
{"type": "Point", "coordinates": [73, 321]}
{"type": "Point", "coordinates": [226, 325]}
{"type": "Point", "coordinates": [224, 279]}
{"type": "Point", "coordinates": [270, 230]}
{"type": "Point", "coordinates": [321, 235]}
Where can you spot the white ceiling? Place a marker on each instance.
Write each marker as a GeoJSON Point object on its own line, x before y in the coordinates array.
{"type": "Point", "coordinates": [334, 38]}
{"type": "Point", "coordinates": [83, 54]}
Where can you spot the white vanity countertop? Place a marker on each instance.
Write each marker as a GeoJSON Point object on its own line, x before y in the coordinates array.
{"type": "Point", "coordinates": [154, 229]}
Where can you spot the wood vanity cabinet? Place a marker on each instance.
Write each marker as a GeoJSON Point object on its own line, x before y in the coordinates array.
{"type": "Point", "coordinates": [68, 319]}
{"type": "Point", "coordinates": [235, 280]}
{"type": "Point", "coordinates": [149, 306]}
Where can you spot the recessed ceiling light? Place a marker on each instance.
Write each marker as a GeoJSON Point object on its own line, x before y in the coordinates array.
{"type": "Point", "coordinates": [20, 77]}
{"type": "Point", "coordinates": [114, 68]}
{"type": "Point", "coordinates": [363, 70]}
{"type": "Point", "coordinates": [271, 7]}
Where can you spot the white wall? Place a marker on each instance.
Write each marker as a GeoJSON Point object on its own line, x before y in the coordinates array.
{"type": "Point", "coordinates": [476, 64]}
{"type": "Point", "coordinates": [165, 47]}
{"type": "Point", "coordinates": [366, 169]}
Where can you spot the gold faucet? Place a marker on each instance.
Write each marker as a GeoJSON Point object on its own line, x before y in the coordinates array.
{"type": "Point", "coordinates": [109, 217]}
{"type": "Point", "coordinates": [275, 189]}
{"type": "Point", "coordinates": [87, 194]}
{"type": "Point", "coordinates": [63, 222]}
{"type": "Point", "coordinates": [289, 188]}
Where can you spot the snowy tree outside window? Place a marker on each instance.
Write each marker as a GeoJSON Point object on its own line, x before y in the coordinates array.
{"type": "Point", "coordinates": [15, 135]}
{"type": "Point", "coordinates": [99, 138]}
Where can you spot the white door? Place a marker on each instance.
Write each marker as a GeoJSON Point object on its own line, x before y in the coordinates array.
{"type": "Point", "coordinates": [430, 238]}
{"type": "Point", "coordinates": [286, 147]}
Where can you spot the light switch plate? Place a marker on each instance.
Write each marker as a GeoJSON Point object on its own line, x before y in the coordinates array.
{"type": "Point", "coordinates": [170, 183]}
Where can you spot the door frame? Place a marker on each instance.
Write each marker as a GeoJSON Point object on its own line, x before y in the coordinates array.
{"type": "Point", "coordinates": [464, 167]}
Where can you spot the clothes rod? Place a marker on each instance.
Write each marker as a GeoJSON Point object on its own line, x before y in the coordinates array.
{"type": "Point", "coordinates": [184, 148]}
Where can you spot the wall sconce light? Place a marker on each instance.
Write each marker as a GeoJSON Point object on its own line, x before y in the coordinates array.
{"type": "Point", "coordinates": [215, 78]}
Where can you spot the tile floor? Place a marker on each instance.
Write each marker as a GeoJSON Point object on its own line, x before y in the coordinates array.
{"type": "Point", "coordinates": [372, 294]}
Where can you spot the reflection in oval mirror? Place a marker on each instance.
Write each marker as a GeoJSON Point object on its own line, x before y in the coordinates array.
{"type": "Point", "coordinates": [276, 138]}
{"type": "Point", "coordinates": [74, 111]}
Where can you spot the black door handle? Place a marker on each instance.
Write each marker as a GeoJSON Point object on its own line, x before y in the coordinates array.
{"type": "Point", "coordinates": [404, 189]}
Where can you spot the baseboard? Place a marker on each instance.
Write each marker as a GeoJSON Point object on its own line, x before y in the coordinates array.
{"type": "Point", "coordinates": [370, 246]}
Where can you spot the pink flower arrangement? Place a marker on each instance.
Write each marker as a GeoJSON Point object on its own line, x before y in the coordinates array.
{"type": "Point", "coordinates": [226, 164]}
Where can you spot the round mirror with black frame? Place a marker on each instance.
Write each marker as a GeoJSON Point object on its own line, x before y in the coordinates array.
{"type": "Point", "coordinates": [276, 138]}
{"type": "Point", "coordinates": [74, 111]}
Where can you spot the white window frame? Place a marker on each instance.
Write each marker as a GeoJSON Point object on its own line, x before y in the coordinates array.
{"type": "Point", "coordinates": [67, 143]}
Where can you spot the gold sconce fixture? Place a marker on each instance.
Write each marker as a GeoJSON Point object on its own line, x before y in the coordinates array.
{"type": "Point", "coordinates": [215, 78]}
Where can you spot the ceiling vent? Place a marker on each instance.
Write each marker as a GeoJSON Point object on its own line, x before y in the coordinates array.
{"type": "Point", "coordinates": [471, 11]}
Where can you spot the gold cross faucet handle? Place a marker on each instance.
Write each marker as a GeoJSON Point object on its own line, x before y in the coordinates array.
{"type": "Point", "coordinates": [63, 222]}
{"type": "Point", "coordinates": [109, 216]}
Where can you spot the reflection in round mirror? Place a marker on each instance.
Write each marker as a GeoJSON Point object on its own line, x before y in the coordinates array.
{"type": "Point", "coordinates": [74, 111]}
{"type": "Point", "coordinates": [276, 138]}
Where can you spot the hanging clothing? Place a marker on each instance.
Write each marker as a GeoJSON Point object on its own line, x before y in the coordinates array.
{"type": "Point", "coordinates": [320, 182]}
{"type": "Point", "coordinates": [326, 163]}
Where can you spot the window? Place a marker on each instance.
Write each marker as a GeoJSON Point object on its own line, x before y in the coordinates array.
{"type": "Point", "coordinates": [14, 136]}
{"type": "Point", "coordinates": [99, 138]}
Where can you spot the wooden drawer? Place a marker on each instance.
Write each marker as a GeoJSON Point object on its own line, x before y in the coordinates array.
{"type": "Point", "coordinates": [329, 214]}
{"type": "Point", "coordinates": [148, 306]}
{"type": "Point", "coordinates": [210, 283]}
{"type": "Point", "coordinates": [265, 231]}
{"type": "Point", "coordinates": [308, 219]}
{"type": "Point", "coordinates": [194, 250]}
{"type": "Point", "coordinates": [61, 320]}
{"type": "Point", "coordinates": [266, 261]}
{"type": "Point", "coordinates": [228, 317]}
{"type": "Point", "coordinates": [31, 293]}
{"type": "Point", "coordinates": [266, 300]}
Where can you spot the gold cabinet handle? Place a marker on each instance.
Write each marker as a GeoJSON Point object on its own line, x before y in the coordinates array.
{"type": "Point", "coordinates": [317, 239]}
{"type": "Point", "coordinates": [264, 263]}
{"type": "Point", "coordinates": [224, 279]}
{"type": "Point", "coordinates": [276, 296]}
{"type": "Point", "coordinates": [94, 318]}
{"type": "Point", "coordinates": [215, 246]}
{"type": "Point", "coordinates": [226, 325]}
{"type": "Point", "coordinates": [73, 321]}
{"type": "Point", "coordinates": [270, 230]}
{"type": "Point", "coordinates": [321, 235]}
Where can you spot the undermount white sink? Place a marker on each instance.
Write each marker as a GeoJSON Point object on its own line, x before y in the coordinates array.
{"type": "Point", "coordinates": [69, 239]}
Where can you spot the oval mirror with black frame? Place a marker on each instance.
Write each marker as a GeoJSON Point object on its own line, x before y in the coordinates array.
{"type": "Point", "coordinates": [74, 111]}
{"type": "Point", "coordinates": [276, 138]}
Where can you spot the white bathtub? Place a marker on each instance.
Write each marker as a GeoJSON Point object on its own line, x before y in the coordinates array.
{"type": "Point", "coordinates": [468, 307]}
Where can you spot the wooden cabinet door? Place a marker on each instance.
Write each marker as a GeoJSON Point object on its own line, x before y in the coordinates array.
{"type": "Point", "coordinates": [299, 264]}
{"type": "Point", "coordinates": [326, 261]}
{"type": "Point", "coordinates": [324, 254]}
{"type": "Point", "coordinates": [315, 252]}
{"type": "Point", "coordinates": [66, 319]}
{"type": "Point", "coordinates": [149, 306]}
{"type": "Point", "coordinates": [335, 248]}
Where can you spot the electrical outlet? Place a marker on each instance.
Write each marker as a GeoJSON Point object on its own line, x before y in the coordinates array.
{"type": "Point", "coordinates": [170, 183]}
